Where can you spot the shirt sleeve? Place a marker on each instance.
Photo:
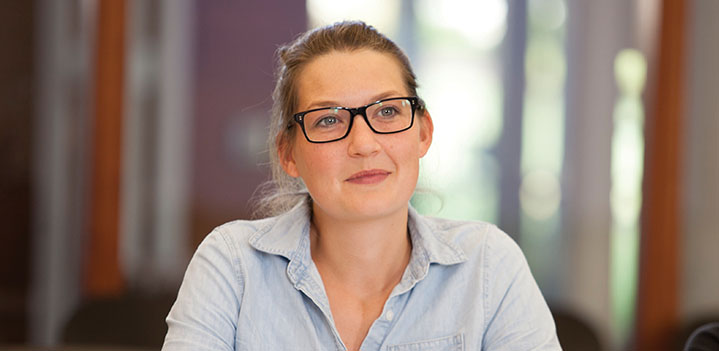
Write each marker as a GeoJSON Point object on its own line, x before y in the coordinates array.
{"type": "Point", "coordinates": [204, 316]}
{"type": "Point", "coordinates": [516, 313]}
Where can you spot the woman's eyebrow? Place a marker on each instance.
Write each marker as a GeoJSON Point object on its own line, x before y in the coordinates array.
{"type": "Point", "coordinates": [384, 95]}
{"type": "Point", "coordinates": [323, 103]}
{"type": "Point", "coordinates": [332, 103]}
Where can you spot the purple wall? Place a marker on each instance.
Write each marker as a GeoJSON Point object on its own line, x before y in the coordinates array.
{"type": "Point", "coordinates": [234, 62]}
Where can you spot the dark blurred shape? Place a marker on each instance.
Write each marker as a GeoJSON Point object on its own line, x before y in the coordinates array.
{"type": "Point", "coordinates": [574, 333]}
{"type": "Point", "coordinates": [692, 330]}
{"type": "Point", "coordinates": [16, 125]}
{"type": "Point", "coordinates": [132, 320]}
{"type": "Point", "coordinates": [705, 338]}
{"type": "Point", "coordinates": [71, 348]}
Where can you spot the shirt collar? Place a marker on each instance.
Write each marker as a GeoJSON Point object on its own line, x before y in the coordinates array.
{"type": "Point", "coordinates": [283, 235]}
{"type": "Point", "coordinates": [288, 236]}
{"type": "Point", "coordinates": [430, 239]}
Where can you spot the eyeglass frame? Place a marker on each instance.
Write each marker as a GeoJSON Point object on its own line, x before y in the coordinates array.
{"type": "Point", "coordinates": [414, 101]}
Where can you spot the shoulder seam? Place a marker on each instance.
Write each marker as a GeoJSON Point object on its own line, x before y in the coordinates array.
{"type": "Point", "coordinates": [485, 252]}
{"type": "Point", "coordinates": [236, 260]}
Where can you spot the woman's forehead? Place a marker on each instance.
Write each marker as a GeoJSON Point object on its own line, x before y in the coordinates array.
{"type": "Point", "coordinates": [349, 78]}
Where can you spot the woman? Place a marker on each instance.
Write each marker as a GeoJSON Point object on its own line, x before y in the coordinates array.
{"type": "Point", "coordinates": [348, 264]}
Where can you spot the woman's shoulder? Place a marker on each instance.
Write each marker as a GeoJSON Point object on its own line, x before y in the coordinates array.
{"type": "Point", "coordinates": [243, 228]}
{"type": "Point", "coordinates": [277, 235]}
{"type": "Point", "coordinates": [240, 232]}
{"type": "Point", "coordinates": [451, 227]}
{"type": "Point", "coordinates": [235, 230]}
{"type": "Point", "coordinates": [476, 239]}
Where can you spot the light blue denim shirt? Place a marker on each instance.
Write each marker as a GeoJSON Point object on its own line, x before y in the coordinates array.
{"type": "Point", "coordinates": [252, 285]}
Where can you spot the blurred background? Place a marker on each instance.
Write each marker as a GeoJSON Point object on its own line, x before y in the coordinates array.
{"type": "Point", "coordinates": [587, 130]}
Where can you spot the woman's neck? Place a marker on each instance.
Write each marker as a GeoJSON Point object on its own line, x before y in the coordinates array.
{"type": "Point", "coordinates": [369, 255]}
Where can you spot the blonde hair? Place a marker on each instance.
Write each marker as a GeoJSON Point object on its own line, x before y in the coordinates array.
{"type": "Point", "coordinates": [284, 192]}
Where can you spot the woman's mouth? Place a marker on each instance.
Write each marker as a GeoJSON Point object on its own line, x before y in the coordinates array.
{"type": "Point", "coordinates": [372, 176]}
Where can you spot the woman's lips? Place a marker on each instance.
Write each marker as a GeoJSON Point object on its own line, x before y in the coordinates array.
{"type": "Point", "coordinates": [372, 176]}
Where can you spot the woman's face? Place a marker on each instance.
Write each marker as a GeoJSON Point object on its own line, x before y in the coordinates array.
{"type": "Point", "coordinates": [364, 175]}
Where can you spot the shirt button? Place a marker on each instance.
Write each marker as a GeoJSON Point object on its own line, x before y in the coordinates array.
{"type": "Point", "coordinates": [389, 315]}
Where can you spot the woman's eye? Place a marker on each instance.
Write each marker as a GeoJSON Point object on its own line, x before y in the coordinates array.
{"type": "Point", "coordinates": [327, 121]}
{"type": "Point", "coordinates": [388, 111]}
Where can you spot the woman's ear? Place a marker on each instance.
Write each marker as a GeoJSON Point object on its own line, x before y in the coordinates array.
{"type": "Point", "coordinates": [426, 129]}
{"type": "Point", "coordinates": [284, 154]}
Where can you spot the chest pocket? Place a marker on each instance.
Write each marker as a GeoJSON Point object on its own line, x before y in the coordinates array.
{"type": "Point", "coordinates": [449, 343]}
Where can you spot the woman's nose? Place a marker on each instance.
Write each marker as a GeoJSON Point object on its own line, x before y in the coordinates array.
{"type": "Point", "coordinates": [362, 140]}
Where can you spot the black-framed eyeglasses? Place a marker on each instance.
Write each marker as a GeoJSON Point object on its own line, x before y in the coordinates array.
{"type": "Point", "coordinates": [386, 116]}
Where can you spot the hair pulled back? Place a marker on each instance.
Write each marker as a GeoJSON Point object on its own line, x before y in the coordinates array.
{"type": "Point", "coordinates": [284, 192]}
